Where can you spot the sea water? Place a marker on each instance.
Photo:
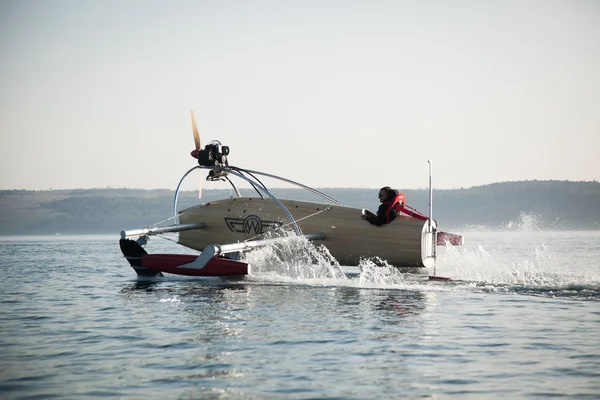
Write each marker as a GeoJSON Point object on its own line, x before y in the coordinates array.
{"type": "Point", "coordinates": [521, 320]}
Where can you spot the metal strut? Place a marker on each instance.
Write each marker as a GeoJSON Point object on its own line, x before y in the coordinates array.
{"type": "Point", "coordinates": [258, 186]}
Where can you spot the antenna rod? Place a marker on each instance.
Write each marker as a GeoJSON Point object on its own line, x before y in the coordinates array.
{"type": "Point", "coordinates": [430, 196]}
{"type": "Point", "coordinates": [431, 215]}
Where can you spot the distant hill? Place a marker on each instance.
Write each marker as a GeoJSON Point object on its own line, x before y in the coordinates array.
{"type": "Point", "coordinates": [551, 204]}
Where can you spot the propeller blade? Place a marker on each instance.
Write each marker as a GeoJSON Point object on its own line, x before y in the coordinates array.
{"type": "Point", "coordinates": [195, 152]}
{"type": "Point", "coordinates": [196, 134]}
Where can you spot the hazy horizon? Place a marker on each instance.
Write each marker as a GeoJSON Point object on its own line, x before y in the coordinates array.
{"type": "Point", "coordinates": [276, 187]}
{"type": "Point", "coordinates": [97, 94]}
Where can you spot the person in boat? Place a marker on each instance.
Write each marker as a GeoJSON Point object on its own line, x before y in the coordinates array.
{"type": "Point", "coordinates": [388, 209]}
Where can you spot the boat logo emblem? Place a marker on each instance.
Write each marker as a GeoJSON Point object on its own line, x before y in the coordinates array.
{"type": "Point", "coordinates": [252, 224]}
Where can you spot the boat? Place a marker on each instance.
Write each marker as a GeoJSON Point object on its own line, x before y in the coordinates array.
{"type": "Point", "coordinates": [224, 230]}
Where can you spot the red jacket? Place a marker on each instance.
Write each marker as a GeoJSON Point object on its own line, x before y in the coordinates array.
{"type": "Point", "coordinates": [387, 211]}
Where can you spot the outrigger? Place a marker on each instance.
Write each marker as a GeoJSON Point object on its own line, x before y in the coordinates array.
{"type": "Point", "coordinates": [224, 230]}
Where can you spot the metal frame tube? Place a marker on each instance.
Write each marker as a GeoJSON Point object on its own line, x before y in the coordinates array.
{"type": "Point", "coordinates": [176, 198]}
{"type": "Point", "coordinates": [258, 187]}
{"type": "Point", "coordinates": [275, 199]}
{"type": "Point", "coordinates": [315, 191]}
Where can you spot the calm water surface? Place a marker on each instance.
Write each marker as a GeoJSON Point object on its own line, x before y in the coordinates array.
{"type": "Point", "coordinates": [523, 321]}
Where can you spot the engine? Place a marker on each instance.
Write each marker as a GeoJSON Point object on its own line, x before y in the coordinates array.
{"type": "Point", "coordinates": [213, 155]}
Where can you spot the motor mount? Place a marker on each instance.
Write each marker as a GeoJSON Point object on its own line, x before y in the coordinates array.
{"type": "Point", "coordinates": [214, 154]}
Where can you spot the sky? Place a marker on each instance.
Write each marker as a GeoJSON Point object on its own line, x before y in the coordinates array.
{"type": "Point", "coordinates": [97, 94]}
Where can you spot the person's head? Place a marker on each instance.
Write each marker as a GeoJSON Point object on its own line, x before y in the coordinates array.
{"type": "Point", "coordinates": [386, 193]}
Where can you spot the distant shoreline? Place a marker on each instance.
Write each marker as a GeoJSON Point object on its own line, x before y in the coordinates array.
{"type": "Point", "coordinates": [534, 205]}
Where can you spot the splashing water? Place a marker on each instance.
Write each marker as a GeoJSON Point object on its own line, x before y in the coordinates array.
{"type": "Point", "coordinates": [295, 258]}
{"type": "Point", "coordinates": [546, 263]}
{"type": "Point", "coordinates": [527, 222]}
{"type": "Point", "coordinates": [537, 263]}
{"type": "Point", "coordinates": [376, 272]}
